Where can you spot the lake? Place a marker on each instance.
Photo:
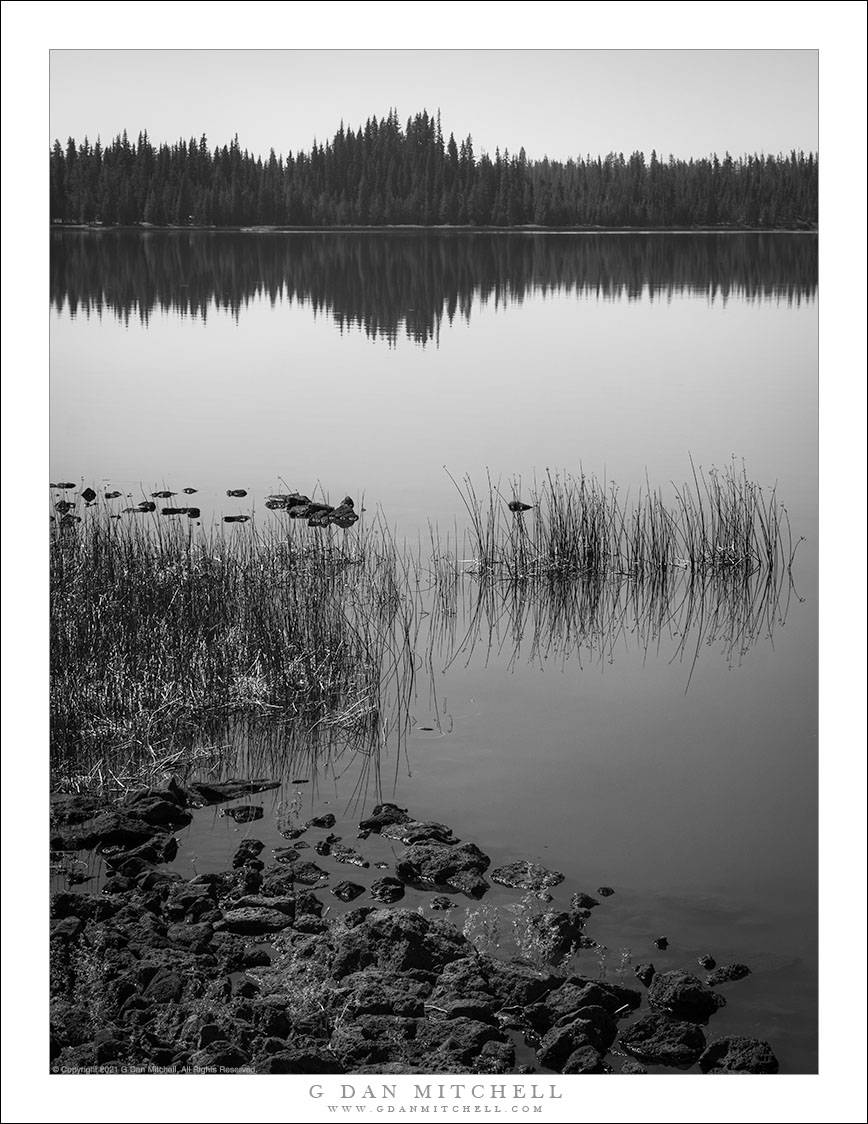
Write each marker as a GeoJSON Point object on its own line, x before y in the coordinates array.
{"type": "Point", "coordinates": [661, 742]}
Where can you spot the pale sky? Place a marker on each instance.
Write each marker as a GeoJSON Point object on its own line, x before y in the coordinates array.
{"type": "Point", "coordinates": [559, 103]}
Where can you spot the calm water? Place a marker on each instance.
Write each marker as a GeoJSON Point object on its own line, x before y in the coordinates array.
{"type": "Point", "coordinates": [671, 754]}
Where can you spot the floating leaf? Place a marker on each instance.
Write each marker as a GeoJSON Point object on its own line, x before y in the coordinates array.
{"type": "Point", "coordinates": [237, 493]}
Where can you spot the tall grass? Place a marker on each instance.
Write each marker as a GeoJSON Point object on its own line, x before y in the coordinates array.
{"type": "Point", "coordinates": [162, 632]}
{"type": "Point", "coordinates": [170, 641]}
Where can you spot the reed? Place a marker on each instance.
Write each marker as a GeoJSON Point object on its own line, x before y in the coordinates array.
{"type": "Point", "coordinates": [718, 522]}
{"type": "Point", "coordinates": [161, 633]}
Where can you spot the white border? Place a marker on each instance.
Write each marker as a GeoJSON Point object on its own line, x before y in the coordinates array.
{"type": "Point", "coordinates": [838, 31]}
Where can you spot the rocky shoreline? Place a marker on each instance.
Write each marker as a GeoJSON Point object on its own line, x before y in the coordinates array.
{"type": "Point", "coordinates": [245, 970]}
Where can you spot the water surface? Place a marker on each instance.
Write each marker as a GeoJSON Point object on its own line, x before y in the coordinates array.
{"type": "Point", "coordinates": [657, 755]}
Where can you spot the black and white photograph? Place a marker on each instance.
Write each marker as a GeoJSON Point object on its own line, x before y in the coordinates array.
{"type": "Point", "coordinates": [428, 685]}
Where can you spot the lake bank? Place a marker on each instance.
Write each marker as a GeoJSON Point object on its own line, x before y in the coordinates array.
{"type": "Point", "coordinates": [249, 970]}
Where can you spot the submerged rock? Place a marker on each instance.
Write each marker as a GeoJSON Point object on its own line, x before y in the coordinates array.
{"type": "Point", "coordinates": [414, 831]}
{"type": "Point", "coordinates": [218, 791]}
{"type": "Point", "coordinates": [736, 1053]}
{"type": "Point", "coordinates": [583, 901]}
{"type": "Point", "coordinates": [526, 875]}
{"type": "Point", "coordinates": [661, 943]}
{"type": "Point", "coordinates": [245, 814]}
{"type": "Point", "coordinates": [727, 974]}
{"type": "Point", "coordinates": [654, 1038]}
{"type": "Point", "coordinates": [347, 855]}
{"type": "Point", "coordinates": [707, 962]}
{"type": "Point", "coordinates": [326, 821]}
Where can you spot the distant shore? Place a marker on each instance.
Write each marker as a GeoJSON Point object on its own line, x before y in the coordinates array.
{"type": "Point", "coordinates": [447, 229]}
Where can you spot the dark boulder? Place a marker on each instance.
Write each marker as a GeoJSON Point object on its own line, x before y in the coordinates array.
{"type": "Point", "coordinates": [585, 1060]}
{"type": "Point", "coordinates": [118, 827]}
{"type": "Point", "coordinates": [561, 1042]}
{"type": "Point", "coordinates": [552, 935]}
{"type": "Point", "coordinates": [583, 901]}
{"type": "Point", "coordinates": [383, 815]}
{"type": "Point", "coordinates": [736, 1053]}
{"type": "Point", "coordinates": [396, 941]}
{"type": "Point", "coordinates": [654, 1038]}
{"type": "Point", "coordinates": [253, 921]}
{"type": "Point", "coordinates": [372, 992]}
{"type": "Point", "coordinates": [160, 848]}
{"type": "Point", "coordinates": [247, 850]}
{"type": "Point", "coordinates": [166, 986]}
{"type": "Point", "coordinates": [437, 865]}
{"type": "Point", "coordinates": [644, 972]}
{"type": "Point", "coordinates": [516, 984]}
{"type": "Point", "coordinates": [684, 996]}
{"type": "Point", "coordinates": [613, 998]}
{"type": "Point", "coordinates": [347, 891]}
{"type": "Point", "coordinates": [387, 890]}
{"type": "Point", "coordinates": [460, 1045]}
{"type": "Point", "coordinates": [326, 821]}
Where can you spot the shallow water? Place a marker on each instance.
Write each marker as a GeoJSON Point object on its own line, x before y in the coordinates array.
{"type": "Point", "coordinates": [666, 761]}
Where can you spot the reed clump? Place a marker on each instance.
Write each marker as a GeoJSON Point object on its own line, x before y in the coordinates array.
{"type": "Point", "coordinates": [160, 633]}
{"type": "Point", "coordinates": [720, 522]}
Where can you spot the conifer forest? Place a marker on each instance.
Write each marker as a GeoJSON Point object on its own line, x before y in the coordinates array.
{"type": "Point", "coordinates": [384, 174]}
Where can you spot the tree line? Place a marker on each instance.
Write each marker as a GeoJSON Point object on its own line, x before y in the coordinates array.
{"type": "Point", "coordinates": [383, 174]}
